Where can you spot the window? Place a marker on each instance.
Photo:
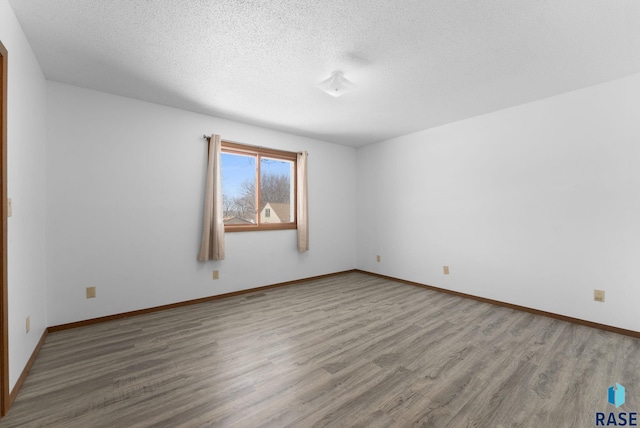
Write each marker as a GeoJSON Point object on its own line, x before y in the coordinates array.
{"type": "Point", "coordinates": [258, 188]}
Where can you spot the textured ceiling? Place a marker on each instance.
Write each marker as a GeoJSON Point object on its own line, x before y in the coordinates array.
{"type": "Point", "coordinates": [417, 64]}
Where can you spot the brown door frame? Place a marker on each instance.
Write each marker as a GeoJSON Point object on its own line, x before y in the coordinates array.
{"type": "Point", "coordinates": [4, 329]}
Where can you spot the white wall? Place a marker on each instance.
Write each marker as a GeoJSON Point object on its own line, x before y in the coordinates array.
{"type": "Point", "coordinates": [125, 190]}
{"type": "Point", "coordinates": [26, 186]}
{"type": "Point", "coordinates": [536, 205]}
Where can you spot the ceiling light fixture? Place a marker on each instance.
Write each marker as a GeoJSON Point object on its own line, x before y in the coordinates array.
{"type": "Point", "coordinates": [336, 84]}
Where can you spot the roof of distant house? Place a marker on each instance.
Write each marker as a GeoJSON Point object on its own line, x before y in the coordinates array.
{"type": "Point", "coordinates": [237, 220]}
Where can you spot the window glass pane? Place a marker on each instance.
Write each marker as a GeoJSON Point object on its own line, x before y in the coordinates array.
{"type": "Point", "coordinates": [276, 191]}
{"type": "Point", "coordinates": [238, 188]}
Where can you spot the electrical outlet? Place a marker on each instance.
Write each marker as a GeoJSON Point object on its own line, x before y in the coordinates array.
{"type": "Point", "coordinates": [598, 295]}
{"type": "Point", "coordinates": [445, 270]}
{"type": "Point", "coordinates": [377, 258]}
{"type": "Point", "coordinates": [28, 324]}
{"type": "Point", "coordinates": [91, 292]}
{"type": "Point", "coordinates": [216, 274]}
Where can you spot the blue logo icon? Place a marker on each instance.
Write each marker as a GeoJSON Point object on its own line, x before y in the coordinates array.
{"type": "Point", "coordinates": [616, 395]}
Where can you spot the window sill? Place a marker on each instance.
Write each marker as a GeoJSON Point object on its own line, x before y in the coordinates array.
{"type": "Point", "coordinates": [262, 227]}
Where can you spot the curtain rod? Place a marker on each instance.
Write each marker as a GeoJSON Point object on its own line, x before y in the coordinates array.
{"type": "Point", "coordinates": [207, 137]}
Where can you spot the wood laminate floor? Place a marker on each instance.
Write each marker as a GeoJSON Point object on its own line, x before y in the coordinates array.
{"type": "Point", "coordinates": [350, 350]}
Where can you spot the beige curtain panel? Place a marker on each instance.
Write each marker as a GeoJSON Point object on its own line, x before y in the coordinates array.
{"type": "Point", "coordinates": [212, 246]}
{"type": "Point", "coordinates": [303, 204]}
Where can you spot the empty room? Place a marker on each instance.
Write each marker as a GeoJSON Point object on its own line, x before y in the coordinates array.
{"type": "Point", "coordinates": [300, 213]}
